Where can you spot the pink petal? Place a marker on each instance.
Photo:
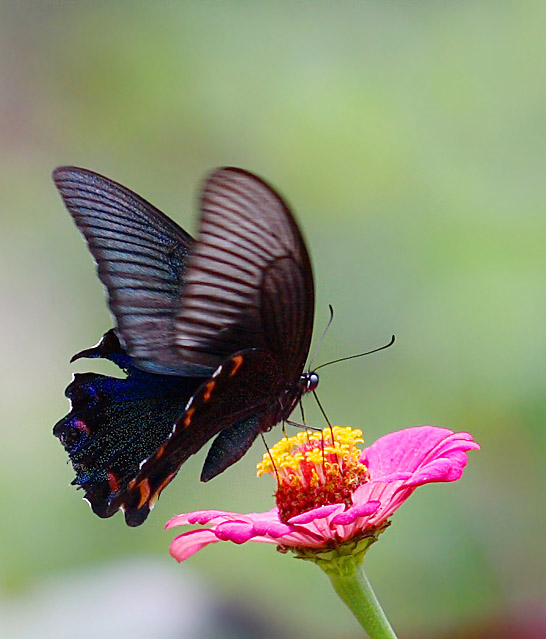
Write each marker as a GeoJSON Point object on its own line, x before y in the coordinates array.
{"type": "Point", "coordinates": [268, 540]}
{"type": "Point", "coordinates": [236, 531]}
{"type": "Point", "coordinates": [388, 479]}
{"type": "Point", "coordinates": [437, 471]}
{"type": "Point", "coordinates": [240, 532]}
{"type": "Point", "coordinates": [406, 450]}
{"type": "Point", "coordinates": [401, 461]}
{"type": "Point", "coordinates": [317, 513]}
{"type": "Point", "coordinates": [458, 441]}
{"type": "Point", "coordinates": [271, 528]}
{"type": "Point", "coordinates": [403, 450]}
{"type": "Point", "coordinates": [189, 543]}
{"type": "Point", "coordinates": [352, 514]}
{"type": "Point", "coordinates": [202, 517]}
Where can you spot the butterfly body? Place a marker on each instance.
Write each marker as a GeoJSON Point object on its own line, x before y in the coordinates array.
{"type": "Point", "coordinates": [211, 334]}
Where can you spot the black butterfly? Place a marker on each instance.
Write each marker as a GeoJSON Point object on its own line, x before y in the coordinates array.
{"type": "Point", "coordinates": [212, 334]}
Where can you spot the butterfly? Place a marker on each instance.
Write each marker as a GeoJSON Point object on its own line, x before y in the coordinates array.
{"type": "Point", "coordinates": [211, 335]}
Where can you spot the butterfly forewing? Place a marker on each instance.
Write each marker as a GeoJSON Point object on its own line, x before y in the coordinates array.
{"type": "Point", "coordinates": [249, 281]}
{"type": "Point", "coordinates": [141, 256]}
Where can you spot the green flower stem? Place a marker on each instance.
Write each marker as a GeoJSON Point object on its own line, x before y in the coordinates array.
{"type": "Point", "coordinates": [356, 591]}
{"type": "Point", "coordinates": [343, 565]}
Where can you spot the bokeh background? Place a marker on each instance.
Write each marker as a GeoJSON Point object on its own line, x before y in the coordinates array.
{"type": "Point", "coordinates": [409, 137]}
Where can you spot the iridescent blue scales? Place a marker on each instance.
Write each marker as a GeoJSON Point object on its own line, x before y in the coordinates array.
{"type": "Point", "coordinates": [211, 335]}
{"type": "Point", "coordinates": [116, 424]}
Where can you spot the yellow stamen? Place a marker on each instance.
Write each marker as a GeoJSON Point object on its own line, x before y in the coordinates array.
{"type": "Point", "coordinates": [312, 470]}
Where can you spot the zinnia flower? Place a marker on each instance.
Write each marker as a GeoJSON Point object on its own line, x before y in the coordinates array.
{"type": "Point", "coordinates": [333, 500]}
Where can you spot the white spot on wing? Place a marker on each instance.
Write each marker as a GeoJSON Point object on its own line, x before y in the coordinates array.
{"type": "Point", "coordinates": [217, 371]}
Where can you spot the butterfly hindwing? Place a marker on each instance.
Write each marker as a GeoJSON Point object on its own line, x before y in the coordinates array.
{"type": "Point", "coordinates": [228, 404]}
{"type": "Point", "coordinates": [116, 423]}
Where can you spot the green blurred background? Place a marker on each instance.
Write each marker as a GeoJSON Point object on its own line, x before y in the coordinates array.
{"type": "Point", "coordinates": [410, 139]}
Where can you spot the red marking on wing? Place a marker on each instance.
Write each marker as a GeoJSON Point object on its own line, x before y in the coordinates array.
{"type": "Point", "coordinates": [161, 486]}
{"type": "Point", "coordinates": [159, 452]}
{"type": "Point", "coordinates": [77, 423]}
{"type": "Point", "coordinates": [210, 385]}
{"type": "Point", "coordinates": [113, 481]}
{"type": "Point", "coordinates": [237, 363]}
{"type": "Point", "coordinates": [145, 491]}
{"type": "Point", "coordinates": [189, 415]}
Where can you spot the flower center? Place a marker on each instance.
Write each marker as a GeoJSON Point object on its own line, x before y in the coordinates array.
{"type": "Point", "coordinates": [312, 469]}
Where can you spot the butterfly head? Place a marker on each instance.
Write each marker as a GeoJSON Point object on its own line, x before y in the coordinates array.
{"type": "Point", "coordinates": [309, 381]}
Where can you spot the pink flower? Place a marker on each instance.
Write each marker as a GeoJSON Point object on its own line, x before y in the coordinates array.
{"type": "Point", "coordinates": [330, 494]}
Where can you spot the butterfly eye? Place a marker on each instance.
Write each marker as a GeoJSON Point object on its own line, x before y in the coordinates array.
{"type": "Point", "coordinates": [311, 381]}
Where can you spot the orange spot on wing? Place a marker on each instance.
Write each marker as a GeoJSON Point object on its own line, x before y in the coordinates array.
{"type": "Point", "coordinates": [113, 481]}
{"type": "Point", "coordinates": [189, 415]}
{"type": "Point", "coordinates": [210, 385]}
{"type": "Point", "coordinates": [159, 452]}
{"type": "Point", "coordinates": [144, 488]}
{"type": "Point", "coordinates": [161, 486]}
{"type": "Point", "coordinates": [237, 362]}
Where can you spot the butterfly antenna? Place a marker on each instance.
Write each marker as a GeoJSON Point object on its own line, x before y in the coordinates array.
{"type": "Point", "coordinates": [343, 359]}
{"type": "Point", "coordinates": [271, 458]}
{"type": "Point", "coordinates": [315, 352]}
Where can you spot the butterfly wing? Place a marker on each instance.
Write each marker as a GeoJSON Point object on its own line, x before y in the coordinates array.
{"type": "Point", "coordinates": [242, 302]}
{"type": "Point", "coordinates": [249, 282]}
{"type": "Point", "coordinates": [230, 404]}
{"type": "Point", "coordinates": [141, 256]}
{"type": "Point", "coordinates": [116, 423]}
